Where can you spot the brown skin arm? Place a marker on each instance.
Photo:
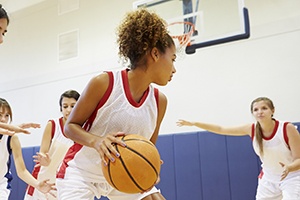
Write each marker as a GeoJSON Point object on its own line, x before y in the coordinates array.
{"type": "Point", "coordinates": [162, 106]}
{"type": "Point", "coordinates": [83, 109]}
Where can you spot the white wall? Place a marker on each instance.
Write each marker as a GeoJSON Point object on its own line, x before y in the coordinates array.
{"type": "Point", "coordinates": [216, 84]}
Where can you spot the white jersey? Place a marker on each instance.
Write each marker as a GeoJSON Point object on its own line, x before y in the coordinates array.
{"type": "Point", "coordinates": [275, 150]}
{"type": "Point", "coordinates": [5, 162]}
{"type": "Point", "coordinates": [116, 111]}
{"type": "Point", "coordinates": [58, 148]}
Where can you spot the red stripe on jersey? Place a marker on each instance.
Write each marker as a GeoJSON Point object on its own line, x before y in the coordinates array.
{"type": "Point", "coordinates": [128, 93]}
{"type": "Point", "coordinates": [252, 132]}
{"type": "Point", "coordinates": [87, 125]}
{"type": "Point", "coordinates": [69, 156]}
{"type": "Point", "coordinates": [35, 173]}
{"type": "Point", "coordinates": [261, 174]}
{"type": "Point", "coordinates": [53, 128]}
{"type": "Point", "coordinates": [61, 124]}
{"type": "Point", "coordinates": [285, 136]}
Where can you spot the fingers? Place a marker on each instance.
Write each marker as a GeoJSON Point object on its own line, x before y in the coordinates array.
{"type": "Point", "coordinates": [41, 159]}
{"type": "Point", "coordinates": [24, 131]}
{"type": "Point", "coordinates": [107, 147]}
{"type": "Point", "coordinates": [285, 171]}
{"type": "Point", "coordinates": [180, 122]}
{"type": "Point", "coordinates": [30, 125]}
{"type": "Point", "coordinates": [282, 164]}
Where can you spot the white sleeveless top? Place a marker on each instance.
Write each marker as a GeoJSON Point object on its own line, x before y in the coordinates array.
{"type": "Point", "coordinates": [5, 160]}
{"type": "Point", "coordinates": [116, 111]}
{"type": "Point", "coordinates": [57, 151]}
{"type": "Point", "coordinates": [275, 150]}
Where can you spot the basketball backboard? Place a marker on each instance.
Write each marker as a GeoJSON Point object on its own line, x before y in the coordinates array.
{"type": "Point", "coordinates": [215, 21]}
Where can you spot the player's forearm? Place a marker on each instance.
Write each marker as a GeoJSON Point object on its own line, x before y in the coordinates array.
{"type": "Point", "coordinates": [295, 165]}
{"type": "Point", "coordinates": [5, 126]}
{"type": "Point", "coordinates": [209, 127]}
{"type": "Point", "coordinates": [79, 135]}
{"type": "Point", "coordinates": [27, 178]}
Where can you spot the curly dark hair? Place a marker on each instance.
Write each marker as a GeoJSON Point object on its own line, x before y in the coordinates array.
{"type": "Point", "coordinates": [3, 14]}
{"type": "Point", "coordinates": [139, 32]}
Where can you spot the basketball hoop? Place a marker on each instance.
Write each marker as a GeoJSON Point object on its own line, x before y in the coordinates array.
{"type": "Point", "coordinates": [181, 32]}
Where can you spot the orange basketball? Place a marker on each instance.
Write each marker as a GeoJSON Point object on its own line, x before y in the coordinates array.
{"type": "Point", "coordinates": [138, 167]}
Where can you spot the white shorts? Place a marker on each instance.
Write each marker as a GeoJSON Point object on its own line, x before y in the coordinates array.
{"type": "Point", "coordinates": [4, 192]}
{"type": "Point", "coordinates": [288, 189]}
{"type": "Point", "coordinates": [74, 189]}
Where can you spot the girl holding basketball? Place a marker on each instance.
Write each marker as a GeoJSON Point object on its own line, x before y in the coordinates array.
{"type": "Point", "coordinates": [277, 144]}
{"type": "Point", "coordinates": [53, 147]}
{"type": "Point", "coordinates": [115, 103]}
{"type": "Point", "coordinates": [11, 145]}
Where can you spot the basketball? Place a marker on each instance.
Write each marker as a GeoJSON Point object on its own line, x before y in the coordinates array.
{"type": "Point", "coordinates": [137, 168]}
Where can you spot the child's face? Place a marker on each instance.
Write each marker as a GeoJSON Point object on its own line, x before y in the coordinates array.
{"type": "Point", "coordinates": [4, 115]}
{"type": "Point", "coordinates": [3, 28]}
{"type": "Point", "coordinates": [67, 106]}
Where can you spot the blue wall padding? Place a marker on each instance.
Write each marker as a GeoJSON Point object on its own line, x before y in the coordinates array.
{"type": "Point", "coordinates": [197, 166]}
{"type": "Point", "coordinates": [214, 166]}
{"type": "Point", "coordinates": [243, 167]}
{"type": "Point", "coordinates": [187, 166]}
{"type": "Point", "coordinates": [165, 145]}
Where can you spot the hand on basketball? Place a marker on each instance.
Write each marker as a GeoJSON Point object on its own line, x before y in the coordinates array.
{"type": "Point", "coordinates": [41, 159]}
{"type": "Point", "coordinates": [107, 146]}
{"type": "Point", "coordinates": [46, 187]}
{"type": "Point", "coordinates": [285, 171]}
{"type": "Point", "coordinates": [182, 122]}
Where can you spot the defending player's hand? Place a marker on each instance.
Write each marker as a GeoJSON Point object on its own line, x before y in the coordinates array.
{"type": "Point", "coordinates": [46, 187]}
{"type": "Point", "coordinates": [22, 127]}
{"type": "Point", "coordinates": [106, 146]}
{"type": "Point", "coordinates": [6, 132]}
{"type": "Point", "coordinates": [41, 159]}
{"type": "Point", "coordinates": [30, 125]}
{"type": "Point", "coordinates": [285, 171]}
{"type": "Point", "coordinates": [182, 122]}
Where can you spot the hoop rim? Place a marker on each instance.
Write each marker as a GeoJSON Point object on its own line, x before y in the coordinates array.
{"type": "Point", "coordinates": [184, 34]}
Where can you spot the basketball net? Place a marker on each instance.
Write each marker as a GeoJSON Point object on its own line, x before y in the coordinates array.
{"type": "Point", "coordinates": [181, 32]}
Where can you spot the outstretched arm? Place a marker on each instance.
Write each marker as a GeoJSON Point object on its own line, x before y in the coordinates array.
{"type": "Point", "coordinates": [9, 129]}
{"type": "Point", "coordinates": [23, 173]}
{"type": "Point", "coordinates": [233, 131]}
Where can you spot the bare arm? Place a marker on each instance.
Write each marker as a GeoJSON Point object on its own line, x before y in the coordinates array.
{"type": "Point", "coordinates": [83, 109]}
{"type": "Point", "coordinates": [23, 173]}
{"type": "Point", "coordinates": [294, 142]}
{"type": "Point", "coordinates": [233, 131]}
{"type": "Point", "coordinates": [162, 105]}
{"type": "Point", "coordinates": [10, 129]}
{"type": "Point", "coordinates": [42, 157]}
